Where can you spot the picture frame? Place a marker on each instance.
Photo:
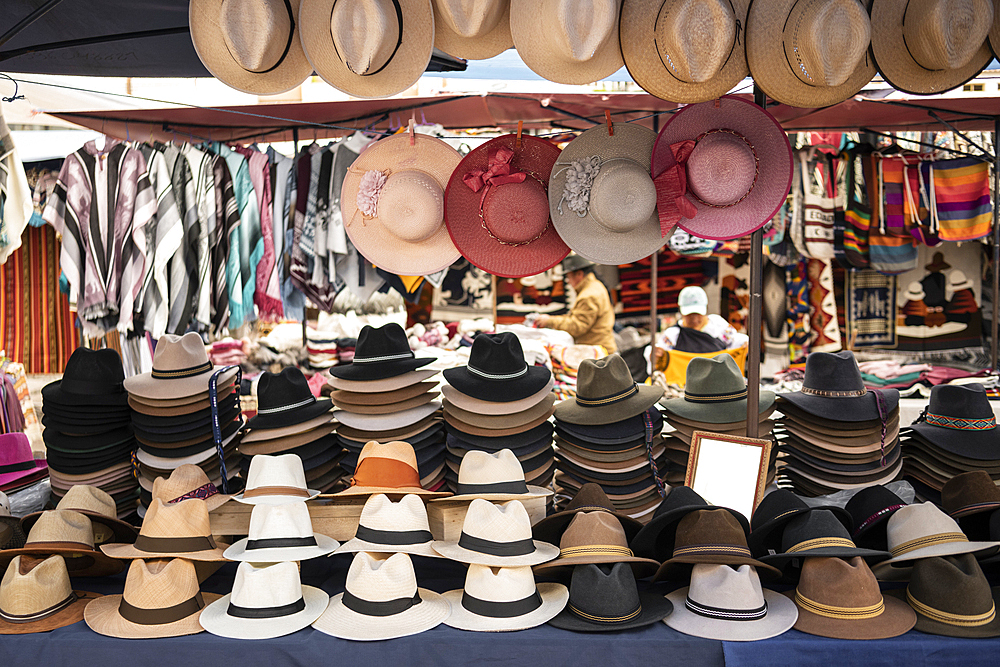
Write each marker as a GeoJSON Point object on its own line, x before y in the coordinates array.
{"type": "Point", "coordinates": [728, 470]}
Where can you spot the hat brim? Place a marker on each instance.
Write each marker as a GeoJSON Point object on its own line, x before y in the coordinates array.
{"type": "Point", "coordinates": [571, 412]}
{"type": "Point", "coordinates": [493, 422]}
{"type": "Point", "coordinates": [888, 570]}
{"type": "Point", "coordinates": [146, 385]}
{"type": "Point", "coordinates": [354, 398]}
{"type": "Point", "coordinates": [543, 552]}
{"type": "Point", "coordinates": [129, 552]}
{"type": "Point", "coordinates": [655, 608]}
{"type": "Point", "coordinates": [275, 499]}
{"type": "Point", "coordinates": [849, 409]}
{"type": "Point", "coordinates": [716, 412]}
{"type": "Point", "coordinates": [80, 428]}
{"type": "Point", "coordinates": [53, 396]}
{"type": "Point", "coordinates": [489, 407]}
{"type": "Point", "coordinates": [533, 492]}
{"type": "Point", "coordinates": [411, 433]}
{"type": "Point", "coordinates": [897, 619]}
{"type": "Point", "coordinates": [216, 620]}
{"type": "Point", "coordinates": [102, 617]}
{"type": "Point", "coordinates": [265, 434]}
{"type": "Point", "coordinates": [679, 568]}
{"type": "Point", "coordinates": [393, 383]}
{"type": "Point", "coordinates": [393, 493]}
{"type": "Point", "coordinates": [40, 466]}
{"type": "Point", "coordinates": [759, 535]}
{"type": "Point", "coordinates": [781, 616]}
{"type": "Point", "coordinates": [376, 372]}
{"type": "Point", "coordinates": [344, 623]}
{"type": "Point", "coordinates": [554, 598]}
{"type": "Point", "coordinates": [73, 613]}
{"type": "Point", "coordinates": [239, 552]}
{"type": "Point", "coordinates": [646, 542]}
{"type": "Point", "coordinates": [390, 422]}
{"type": "Point", "coordinates": [497, 442]}
{"type": "Point", "coordinates": [290, 417]}
{"type": "Point", "coordinates": [641, 567]}
{"type": "Point", "coordinates": [121, 531]}
{"type": "Point", "coordinates": [286, 443]}
{"type": "Point", "coordinates": [723, 426]}
{"type": "Point", "coordinates": [167, 463]}
{"type": "Point", "coordinates": [783, 560]}
{"type": "Point", "coordinates": [477, 47]}
{"type": "Point", "coordinates": [174, 415]}
{"type": "Point", "coordinates": [494, 432]}
{"type": "Point", "coordinates": [374, 409]}
{"type": "Point", "coordinates": [551, 528]}
{"type": "Point", "coordinates": [499, 393]}
{"type": "Point", "coordinates": [354, 545]}
{"type": "Point", "coordinates": [978, 445]}
{"type": "Point", "coordinates": [80, 562]}
{"type": "Point", "coordinates": [933, 627]}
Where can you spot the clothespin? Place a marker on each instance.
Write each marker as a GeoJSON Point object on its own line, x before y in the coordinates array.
{"type": "Point", "coordinates": [718, 102]}
{"type": "Point", "coordinates": [611, 127]}
{"type": "Point", "coordinates": [517, 141]}
{"type": "Point", "coordinates": [409, 128]}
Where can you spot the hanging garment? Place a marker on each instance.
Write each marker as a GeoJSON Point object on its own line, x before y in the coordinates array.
{"type": "Point", "coordinates": [857, 205]}
{"type": "Point", "coordinates": [960, 196]}
{"type": "Point", "coordinates": [227, 221]}
{"type": "Point", "coordinates": [817, 204]}
{"type": "Point", "coordinates": [280, 168]}
{"type": "Point", "coordinates": [15, 195]}
{"type": "Point", "coordinates": [164, 237]}
{"type": "Point", "coordinates": [268, 303]}
{"type": "Point", "coordinates": [202, 167]}
{"type": "Point", "coordinates": [182, 267]}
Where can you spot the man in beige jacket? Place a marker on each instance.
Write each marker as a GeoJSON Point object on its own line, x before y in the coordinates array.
{"type": "Point", "coordinates": [591, 320]}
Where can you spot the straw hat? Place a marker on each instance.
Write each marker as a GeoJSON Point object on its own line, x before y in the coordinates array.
{"type": "Point", "coordinates": [602, 198]}
{"type": "Point", "coordinates": [925, 47]}
{"type": "Point", "coordinates": [275, 480]}
{"type": "Point", "coordinates": [268, 600]}
{"type": "Point", "coordinates": [494, 476]}
{"type": "Point", "coordinates": [684, 50]}
{"type": "Point", "coordinates": [472, 30]}
{"type": "Point", "coordinates": [99, 507]}
{"type": "Point", "coordinates": [381, 601]}
{"type": "Point", "coordinates": [36, 596]}
{"type": "Point", "coordinates": [161, 599]}
{"type": "Point", "coordinates": [185, 482]}
{"type": "Point", "coordinates": [995, 29]}
{"type": "Point", "coordinates": [180, 530]}
{"type": "Point", "coordinates": [389, 468]}
{"type": "Point", "coordinates": [279, 533]}
{"type": "Point", "coordinates": [250, 45]}
{"type": "Point", "coordinates": [821, 57]}
{"type": "Point", "coordinates": [498, 536]}
{"type": "Point", "coordinates": [503, 599]}
{"type": "Point", "coordinates": [567, 41]}
{"type": "Point", "coordinates": [69, 534]}
{"type": "Point", "coordinates": [606, 393]}
{"type": "Point", "coordinates": [496, 207]}
{"type": "Point", "coordinates": [180, 367]}
{"type": "Point", "coordinates": [388, 527]}
{"type": "Point", "coordinates": [597, 537]}
{"type": "Point", "coordinates": [368, 48]}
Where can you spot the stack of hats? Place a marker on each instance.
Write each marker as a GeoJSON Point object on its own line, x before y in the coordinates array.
{"type": "Point", "coordinates": [88, 432]}
{"type": "Point", "coordinates": [836, 434]}
{"type": "Point", "coordinates": [174, 414]}
{"type": "Point", "coordinates": [609, 434]}
{"type": "Point", "coordinates": [20, 467]}
{"type": "Point", "coordinates": [291, 420]}
{"type": "Point", "coordinates": [97, 506]}
{"type": "Point", "coordinates": [36, 596]}
{"type": "Point", "coordinates": [715, 400]}
{"type": "Point", "coordinates": [497, 401]}
{"type": "Point", "coordinates": [957, 433]}
{"type": "Point", "coordinates": [385, 395]}
{"type": "Point", "coordinates": [11, 535]}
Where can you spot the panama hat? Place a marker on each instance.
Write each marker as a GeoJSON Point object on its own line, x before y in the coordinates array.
{"type": "Point", "coordinates": [602, 198]}
{"type": "Point", "coordinates": [472, 30]}
{"type": "Point", "coordinates": [597, 537]}
{"type": "Point", "coordinates": [722, 168]}
{"type": "Point", "coordinates": [389, 468]}
{"type": "Point", "coordinates": [381, 353]}
{"type": "Point", "coordinates": [833, 389]}
{"type": "Point", "coordinates": [715, 392]}
{"type": "Point", "coordinates": [71, 535]}
{"type": "Point", "coordinates": [503, 599]}
{"type": "Point", "coordinates": [161, 599]}
{"type": "Point", "coordinates": [99, 507]}
{"type": "Point", "coordinates": [684, 51]}
{"type": "Point", "coordinates": [381, 601]}
{"type": "Point", "coordinates": [185, 482]}
{"type": "Point", "coordinates": [91, 378]}
{"type": "Point", "coordinates": [393, 206]}
{"type": "Point", "coordinates": [275, 480]}
{"type": "Point", "coordinates": [180, 530]}
{"type": "Point", "coordinates": [557, 45]}
{"type": "Point", "coordinates": [392, 527]}
{"type": "Point", "coordinates": [711, 536]}
{"type": "Point", "coordinates": [497, 372]}
{"type": "Point", "coordinates": [604, 598]}
{"type": "Point", "coordinates": [368, 48]}
{"type": "Point", "coordinates": [268, 600]}
{"type": "Point", "coordinates": [497, 210]}
{"type": "Point", "coordinates": [36, 596]}
{"type": "Point", "coordinates": [393, 383]}
{"type": "Point", "coordinates": [960, 420]}
{"type": "Point", "coordinates": [280, 533]}
{"type": "Point", "coordinates": [590, 498]}
{"type": "Point", "coordinates": [498, 536]}
{"type": "Point", "coordinates": [180, 367]}
{"type": "Point", "coordinates": [250, 45]}
{"type": "Point", "coordinates": [606, 393]}
{"type": "Point", "coordinates": [727, 603]}
{"type": "Point", "coordinates": [914, 292]}
{"type": "Point", "coordinates": [925, 47]}
{"type": "Point", "coordinates": [284, 399]}
{"type": "Point", "coordinates": [494, 476]}
{"type": "Point", "coordinates": [821, 57]}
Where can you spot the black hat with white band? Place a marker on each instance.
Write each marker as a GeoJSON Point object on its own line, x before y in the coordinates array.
{"type": "Point", "coordinates": [284, 400]}
{"type": "Point", "coordinates": [380, 354]}
{"type": "Point", "coordinates": [497, 371]}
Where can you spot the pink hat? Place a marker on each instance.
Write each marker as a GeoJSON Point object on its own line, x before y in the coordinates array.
{"type": "Point", "coordinates": [722, 168]}
{"type": "Point", "coordinates": [16, 460]}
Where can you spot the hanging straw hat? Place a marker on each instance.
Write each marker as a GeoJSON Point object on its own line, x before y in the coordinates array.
{"type": "Point", "coordinates": [36, 596]}
{"type": "Point", "coordinates": [181, 530]}
{"type": "Point", "coordinates": [472, 30]}
{"type": "Point", "coordinates": [368, 48]}
{"type": "Point", "coordinates": [388, 527]}
{"type": "Point", "coordinates": [71, 535]}
{"type": "Point", "coordinates": [393, 203]}
{"type": "Point", "coordinates": [498, 536]}
{"type": "Point", "coordinates": [99, 507]}
{"type": "Point", "coordinates": [926, 47]}
{"type": "Point", "coordinates": [279, 533]}
{"type": "Point", "coordinates": [185, 482]}
{"type": "Point", "coordinates": [250, 45]}
{"type": "Point", "coordinates": [503, 599]}
{"type": "Point", "coordinates": [180, 368]}
{"type": "Point", "coordinates": [685, 51]}
{"type": "Point", "coordinates": [275, 480]}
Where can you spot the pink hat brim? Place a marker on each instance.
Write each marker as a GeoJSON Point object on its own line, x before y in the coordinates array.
{"type": "Point", "coordinates": [8, 477]}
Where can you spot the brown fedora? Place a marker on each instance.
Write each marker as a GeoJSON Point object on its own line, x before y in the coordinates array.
{"type": "Point", "coordinates": [970, 493]}
{"type": "Point", "coordinates": [711, 536]}
{"type": "Point", "coordinates": [606, 393]}
{"type": "Point", "coordinates": [597, 537]}
{"type": "Point", "coordinates": [36, 596]}
{"type": "Point", "coordinates": [392, 408]}
{"type": "Point", "coordinates": [69, 534]}
{"type": "Point", "coordinates": [180, 530]}
{"type": "Point", "coordinates": [186, 482]}
{"type": "Point", "coordinates": [344, 399]}
{"type": "Point", "coordinates": [99, 507]}
{"type": "Point", "coordinates": [590, 498]}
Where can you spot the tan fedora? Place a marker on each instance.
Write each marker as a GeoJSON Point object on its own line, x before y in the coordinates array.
{"type": "Point", "coordinates": [161, 599]}
{"type": "Point", "coordinates": [96, 505]}
{"type": "Point", "coordinates": [404, 433]}
{"type": "Point", "coordinates": [387, 384]}
{"type": "Point", "coordinates": [470, 429]}
{"type": "Point", "coordinates": [821, 57]}
{"type": "Point", "coordinates": [474, 30]}
{"type": "Point", "coordinates": [186, 482]}
{"type": "Point", "coordinates": [201, 398]}
{"type": "Point", "coordinates": [171, 408]}
{"type": "Point", "coordinates": [388, 409]}
{"type": "Point", "coordinates": [180, 367]}
{"type": "Point", "coordinates": [465, 402]}
{"type": "Point", "coordinates": [71, 535]}
{"type": "Point", "coordinates": [925, 47]}
{"type": "Point", "coordinates": [597, 537]}
{"type": "Point", "coordinates": [266, 434]}
{"type": "Point", "coordinates": [281, 444]}
{"type": "Point", "coordinates": [368, 48]}
{"type": "Point", "coordinates": [495, 477]}
{"type": "Point", "coordinates": [389, 468]}
{"type": "Point", "coordinates": [392, 527]}
{"type": "Point", "coordinates": [543, 407]}
{"type": "Point", "coordinates": [685, 51]}
{"type": "Point", "coordinates": [567, 41]}
{"type": "Point", "coordinates": [351, 398]}
{"type": "Point", "coordinates": [36, 596]}
{"type": "Point", "coordinates": [180, 530]}
{"type": "Point", "coordinates": [250, 45]}
{"type": "Point", "coordinates": [497, 536]}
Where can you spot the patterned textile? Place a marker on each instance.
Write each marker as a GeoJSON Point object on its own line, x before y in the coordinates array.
{"type": "Point", "coordinates": [266, 294]}
{"type": "Point", "coordinates": [961, 192]}
{"type": "Point", "coordinates": [817, 204]}
{"type": "Point", "coordinates": [798, 312]}
{"type": "Point", "coordinates": [164, 237]}
{"type": "Point", "coordinates": [900, 197]}
{"type": "Point", "coordinates": [857, 207]}
{"type": "Point", "coordinates": [183, 281]}
{"type": "Point", "coordinates": [15, 195]}
{"type": "Point", "coordinates": [673, 274]}
{"type": "Point", "coordinates": [202, 166]}
{"type": "Point", "coordinates": [890, 254]}
{"type": "Point", "coordinates": [227, 219]}
{"type": "Point", "coordinates": [823, 308]}
{"type": "Point", "coordinates": [871, 308]}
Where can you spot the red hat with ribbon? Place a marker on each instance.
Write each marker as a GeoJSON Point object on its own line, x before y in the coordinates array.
{"type": "Point", "coordinates": [721, 169]}
{"type": "Point", "coordinates": [497, 207]}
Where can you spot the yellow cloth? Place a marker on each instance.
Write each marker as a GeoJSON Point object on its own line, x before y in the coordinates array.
{"type": "Point", "coordinates": [411, 282]}
{"type": "Point", "coordinates": [591, 320]}
{"type": "Point", "coordinates": [674, 363]}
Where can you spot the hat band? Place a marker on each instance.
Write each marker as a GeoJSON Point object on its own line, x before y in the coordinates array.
{"type": "Point", "coordinates": [973, 508]}
{"type": "Point", "coordinates": [715, 398]}
{"type": "Point", "coordinates": [276, 491]}
{"type": "Point", "coordinates": [161, 615]}
{"type": "Point", "coordinates": [203, 492]}
{"type": "Point", "coordinates": [607, 400]}
{"type": "Point", "coordinates": [48, 544]}
{"type": "Point", "coordinates": [38, 615]}
{"type": "Point", "coordinates": [608, 620]}
{"type": "Point", "coordinates": [875, 517]}
{"type": "Point", "coordinates": [500, 172]}
{"type": "Point", "coordinates": [478, 544]}
{"type": "Point", "coordinates": [961, 620]}
{"type": "Point", "coordinates": [960, 424]}
{"type": "Point", "coordinates": [728, 549]}
{"type": "Point", "coordinates": [181, 373]}
{"type": "Point", "coordinates": [498, 376]}
{"type": "Point", "coordinates": [517, 486]}
{"type": "Point", "coordinates": [843, 613]}
{"type": "Point", "coordinates": [174, 545]}
{"type": "Point", "coordinates": [724, 613]}
{"type": "Point", "coordinates": [89, 387]}
{"type": "Point", "coordinates": [393, 537]}
{"type": "Point", "coordinates": [384, 358]}
{"type": "Point", "coordinates": [595, 550]}
{"type": "Point", "coordinates": [266, 612]}
{"type": "Point", "coordinates": [927, 541]}
{"type": "Point", "coordinates": [376, 471]}
{"type": "Point", "coordinates": [285, 408]}
{"type": "Point", "coordinates": [281, 542]}
{"type": "Point", "coordinates": [16, 467]}
{"type": "Point", "coordinates": [853, 393]}
{"type": "Point", "coordinates": [492, 609]}
{"type": "Point", "coordinates": [386, 608]}
{"type": "Point", "coordinates": [820, 543]}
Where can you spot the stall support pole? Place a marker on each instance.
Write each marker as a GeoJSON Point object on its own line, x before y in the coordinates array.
{"type": "Point", "coordinates": [654, 322]}
{"type": "Point", "coordinates": [996, 244]}
{"type": "Point", "coordinates": [756, 306]}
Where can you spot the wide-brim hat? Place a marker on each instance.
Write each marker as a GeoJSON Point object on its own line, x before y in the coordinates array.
{"type": "Point", "coordinates": [382, 463]}
{"type": "Point", "coordinates": [380, 376]}
{"type": "Point", "coordinates": [377, 409]}
{"type": "Point", "coordinates": [352, 438]}
{"type": "Point", "coordinates": [287, 443]}
{"type": "Point", "coordinates": [68, 534]}
{"type": "Point", "coordinates": [591, 497]}
{"type": "Point", "coordinates": [541, 409]}
{"type": "Point", "coordinates": [497, 371]}
{"type": "Point", "coordinates": [780, 617]}
{"type": "Point", "coordinates": [645, 24]}
{"type": "Point", "coordinates": [833, 389]}
{"type": "Point", "coordinates": [553, 596]}
{"type": "Point", "coordinates": [265, 434]}
{"type": "Point", "coordinates": [180, 368]}
{"type": "Point", "coordinates": [168, 413]}
{"type": "Point", "coordinates": [774, 512]}
{"type": "Point", "coordinates": [595, 538]}
{"type": "Point", "coordinates": [818, 533]}
{"type": "Point", "coordinates": [606, 393]}
{"type": "Point", "coordinates": [344, 623]}
{"type": "Point", "coordinates": [172, 530]}
{"type": "Point", "coordinates": [284, 399]}
{"type": "Point", "coordinates": [715, 392]}
{"type": "Point", "coordinates": [473, 33]}
{"type": "Point", "coordinates": [657, 536]}
{"type": "Point", "coordinates": [753, 128]}
{"type": "Point", "coordinates": [390, 422]}
{"type": "Point", "coordinates": [420, 164]}
{"type": "Point", "coordinates": [629, 430]}
{"type": "Point", "coordinates": [470, 429]}
{"type": "Point", "coordinates": [491, 531]}
{"type": "Point", "coordinates": [594, 175]}
{"type": "Point", "coordinates": [352, 399]}
{"type": "Point", "coordinates": [68, 615]}
{"type": "Point", "coordinates": [170, 463]}
{"type": "Point", "coordinates": [393, 383]}
{"type": "Point", "coordinates": [479, 406]}
{"type": "Point", "coordinates": [120, 531]}
{"type": "Point", "coordinates": [495, 443]}
{"type": "Point", "coordinates": [654, 607]}
{"type": "Point", "coordinates": [323, 547]}
{"type": "Point", "coordinates": [91, 378]}
{"type": "Point", "coordinates": [496, 207]}
{"type": "Point", "coordinates": [959, 419]}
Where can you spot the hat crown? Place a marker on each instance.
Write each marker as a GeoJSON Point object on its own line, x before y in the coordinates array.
{"type": "Point", "coordinates": [183, 479]}
{"type": "Point", "coordinates": [709, 527]}
{"type": "Point", "coordinates": [812, 525]}
{"type": "Point", "coordinates": [381, 580]}
{"type": "Point", "coordinates": [256, 32]}
{"type": "Point", "coordinates": [603, 378]}
{"type": "Point", "coordinates": [967, 401]}
{"type": "Point", "coordinates": [695, 38]}
{"type": "Point", "coordinates": [62, 526]}
{"type": "Point", "coordinates": [266, 585]}
{"type": "Point", "coordinates": [279, 521]}
{"type": "Point", "coordinates": [385, 343]}
{"type": "Point", "coordinates": [969, 488]}
{"type": "Point", "coordinates": [594, 528]}
{"type": "Point", "coordinates": [946, 34]}
{"type": "Point", "coordinates": [622, 196]}
{"type": "Point", "coordinates": [956, 278]}
{"type": "Point", "coordinates": [920, 520]}
{"type": "Point", "coordinates": [14, 448]}
{"type": "Point", "coordinates": [160, 583]}
{"type": "Point", "coordinates": [396, 451]}
{"type": "Point", "coordinates": [516, 212]}
{"type": "Point", "coordinates": [284, 470]}
{"type": "Point", "coordinates": [90, 499]}
{"type": "Point", "coordinates": [497, 357]}
{"type": "Point", "coordinates": [722, 168]}
{"type": "Point", "coordinates": [177, 356]}
{"type": "Point", "coordinates": [32, 585]}
{"type": "Point", "coordinates": [678, 497]}
{"type": "Point", "coordinates": [952, 584]}
{"type": "Point", "coordinates": [380, 513]}
{"type": "Point", "coordinates": [479, 467]}
{"type": "Point", "coordinates": [773, 505]}
{"type": "Point", "coordinates": [606, 591]}
{"type": "Point", "coordinates": [470, 18]}
{"type": "Point", "coordinates": [692, 299]}
{"type": "Point", "coordinates": [499, 584]}
{"type": "Point", "coordinates": [188, 518]}
{"type": "Point", "coordinates": [725, 587]}
{"type": "Point", "coordinates": [508, 522]}
{"type": "Point", "coordinates": [833, 372]}
{"type": "Point", "coordinates": [287, 389]}
{"type": "Point", "coordinates": [590, 496]}
{"type": "Point", "coordinates": [93, 372]}
{"type": "Point", "coordinates": [714, 376]}
{"type": "Point", "coordinates": [824, 40]}
{"type": "Point", "coordinates": [411, 205]}
{"type": "Point", "coordinates": [366, 33]}
{"type": "Point", "coordinates": [580, 28]}
{"type": "Point", "coordinates": [839, 582]}
{"type": "Point", "coordinates": [868, 503]}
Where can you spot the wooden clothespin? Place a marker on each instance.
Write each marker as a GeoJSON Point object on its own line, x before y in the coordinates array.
{"type": "Point", "coordinates": [409, 128]}
{"type": "Point", "coordinates": [517, 140]}
{"type": "Point", "coordinates": [611, 126]}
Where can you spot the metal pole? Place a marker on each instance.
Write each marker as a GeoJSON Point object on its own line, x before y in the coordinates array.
{"type": "Point", "coordinates": [653, 296]}
{"type": "Point", "coordinates": [996, 244]}
{"type": "Point", "coordinates": [756, 306]}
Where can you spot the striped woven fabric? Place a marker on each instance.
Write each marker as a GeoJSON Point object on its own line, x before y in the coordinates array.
{"type": "Point", "coordinates": [962, 193]}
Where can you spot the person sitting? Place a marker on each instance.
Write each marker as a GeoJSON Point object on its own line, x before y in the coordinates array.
{"type": "Point", "coordinates": [697, 331]}
{"type": "Point", "coordinates": [591, 320]}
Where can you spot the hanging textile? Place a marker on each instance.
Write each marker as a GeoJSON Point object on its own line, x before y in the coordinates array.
{"type": "Point", "coordinates": [15, 195]}
{"type": "Point", "coordinates": [871, 309]}
{"type": "Point", "coordinates": [164, 236]}
{"type": "Point", "coordinates": [799, 332]}
{"type": "Point", "coordinates": [962, 210]}
{"type": "Point", "coordinates": [227, 220]}
{"type": "Point", "coordinates": [822, 308]}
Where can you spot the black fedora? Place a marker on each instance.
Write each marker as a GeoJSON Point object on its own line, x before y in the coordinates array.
{"type": "Point", "coordinates": [86, 445]}
{"type": "Point", "coordinates": [960, 420]}
{"type": "Point", "coordinates": [380, 354]}
{"type": "Point", "coordinates": [91, 377]}
{"type": "Point", "coordinates": [819, 533]}
{"type": "Point", "coordinates": [870, 509]}
{"type": "Point", "coordinates": [539, 432]}
{"type": "Point", "coordinates": [184, 419]}
{"type": "Point", "coordinates": [775, 510]}
{"type": "Point", "coordinates": [656, 539]}
{"type": "Point", "coordinates": [833, 389]}
{"type": "Point", "coordinates": [82, 428]}
{"type": "Point", "coordinates": [497, 371]}
{"type": "Point", "coordinates": [605, 597]}
{"type": "Point", "coordinates": [284, 399]}
{"type": "Point", "coordinates": [591, 497]}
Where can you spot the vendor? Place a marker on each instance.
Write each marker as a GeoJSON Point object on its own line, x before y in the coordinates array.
{"type": "Point", "coordinates": [697, 330]}
{"type": "Point", "coordinates": [591, 320]}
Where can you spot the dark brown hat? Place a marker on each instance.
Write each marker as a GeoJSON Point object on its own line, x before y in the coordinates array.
{"type": "Point", "coordinates": [597, 537]}
{"type": "Point", "coordinates": [711, 536]}
{"type": "Point", "coordinates": [590, 498]}
{"type": "Point", "coordinates": [970, 493]}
